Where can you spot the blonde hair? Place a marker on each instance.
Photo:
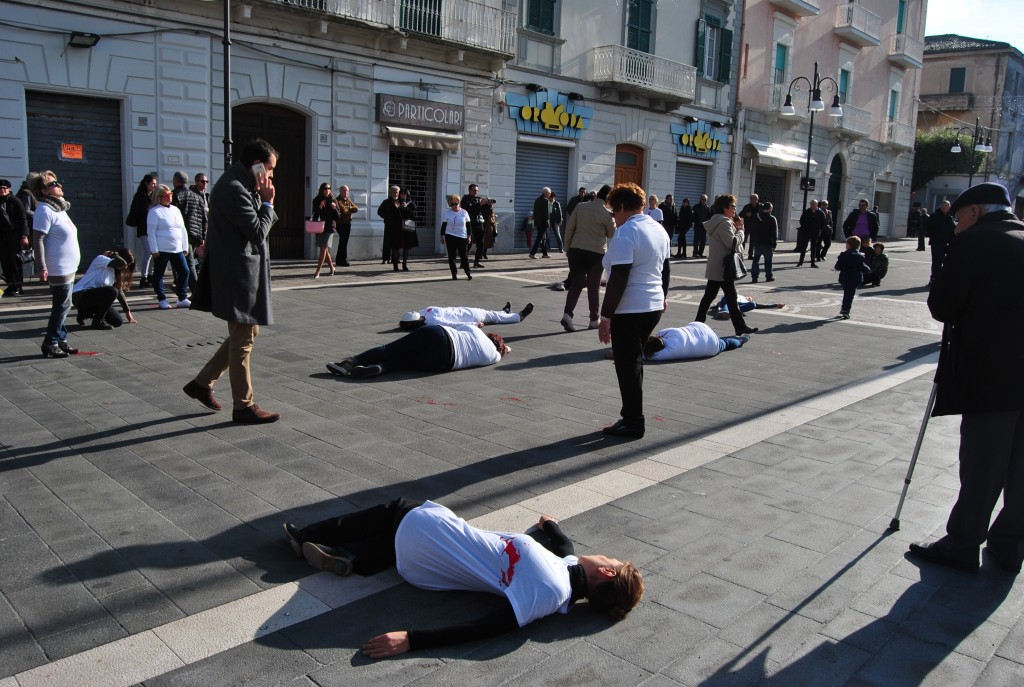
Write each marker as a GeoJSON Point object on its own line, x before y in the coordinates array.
{"type": "Point", "coordinates": [159, 191]}
{"type": "Point", "coordinates": [39, 182]}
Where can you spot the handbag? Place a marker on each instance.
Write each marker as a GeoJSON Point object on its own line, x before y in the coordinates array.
{"type": "Point", "coordinates": [733, 264]}
{"type": "Point", "coordinates": [314, 227]}
{"type": "Point", "coordinates": [25, 256]}
{"type": "Point", "coordinates": [409, 225]}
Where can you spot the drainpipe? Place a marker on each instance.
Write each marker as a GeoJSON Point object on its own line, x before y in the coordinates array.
{"type": "Point", "coordinates": [737, 151]}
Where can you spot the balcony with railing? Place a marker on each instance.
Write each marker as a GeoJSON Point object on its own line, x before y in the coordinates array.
{"type": "Point", "coordinates": [949, 102]}
{"type": "Point", "coordinates": [799, 8]}
{"type": "Point", "coordinates": [906, 51]}
{"type": "Point", "coordinates": [857, 25]}
{"type": "Point", "coordinates": [464, 23]}
{"type": "Point", "coordinates": [855, 122]}
{"type": "Point", "coordinates": [898, 135]}
{"type": "Point", "coordinates": [630, 70]}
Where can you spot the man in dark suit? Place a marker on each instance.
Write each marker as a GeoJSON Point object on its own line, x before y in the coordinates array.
{"type": "Point", "coordinates": [701, 214]}
{"type": "Point", "coordinates": [749, 213]}
{"type": "Point", "coordinates": [541, 220]}
{"type": "Point", "coordinates": [234, 282]}
{"type": "Point", "coordinates": [980, 280]}
{"type": "Point", "coordinates": [812, 223]}
{"type": "Point", "coordinates": [941, 229]}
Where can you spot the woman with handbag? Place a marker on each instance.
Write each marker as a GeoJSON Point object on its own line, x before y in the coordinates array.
{"type": "Point", "coordinates": [724, 236]}
{"type": "Point", "coordinates": [143, 199]}
{"type": "Point", "coordinates": [395, 210]}
{"type": "Point", "coordinates": [58, 255]}
{"type": "Point", "coordinates": [326, 210]}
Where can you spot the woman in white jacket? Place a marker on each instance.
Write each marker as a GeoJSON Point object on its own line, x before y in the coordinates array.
{"type": "Point", "coordinates": [168, 243]}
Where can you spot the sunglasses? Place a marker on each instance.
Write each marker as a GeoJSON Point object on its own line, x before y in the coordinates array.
{"type": "Point", "coordinates": [54, 184]}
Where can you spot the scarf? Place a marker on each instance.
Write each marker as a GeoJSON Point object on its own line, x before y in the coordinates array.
{"type": "Point", "coordinates": [58, 204]}
{"type": "Point", "coordinates": [578, 583]}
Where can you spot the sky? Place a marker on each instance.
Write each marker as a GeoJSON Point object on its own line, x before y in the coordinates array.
{"type": "Point", "coordinates": [997, 20]}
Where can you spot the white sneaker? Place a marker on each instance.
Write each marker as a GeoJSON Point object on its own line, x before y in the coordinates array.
{"type": "Point", "coordinates": [594, 324]}
{"type": "Point", "coordinates": [164, 305]}
{"type": "Point", "coordinates": [567, 323]}
{"type": "Point", "coordinates": [184, 303]}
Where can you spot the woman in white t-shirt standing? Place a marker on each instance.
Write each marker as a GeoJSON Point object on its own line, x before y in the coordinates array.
{"type": "Point", "coordinates": [653, 211]}
{"type": "Point", "coordinates": [168, 243]}
{"type": "Point", "coordinates": [636, 295]}
{"type": "Point", "coordinates": [455, 235]}
{"type": "Point", "coordinates": [58, 255]}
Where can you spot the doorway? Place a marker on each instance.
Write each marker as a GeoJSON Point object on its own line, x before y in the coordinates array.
{"type": "Point", "coordinates": [834, 194]}
{"type": "Point", "coordinates": [416, 172]}
{"type": "Point", "coordinates": [285, 130]}
{"type": "Point", "coordinates": [629, 164]}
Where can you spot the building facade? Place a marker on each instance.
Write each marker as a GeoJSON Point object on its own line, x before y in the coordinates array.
{"type": "Point", "coordinates": [869, 54]}
{"type": "Point", "coordinates": [431, 95]}
{"type": "Point", "coordinates": [969, 84]}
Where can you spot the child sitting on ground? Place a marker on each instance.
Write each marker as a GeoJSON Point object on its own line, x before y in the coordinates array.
{"type": "Point", "coordinates": [879, 265]}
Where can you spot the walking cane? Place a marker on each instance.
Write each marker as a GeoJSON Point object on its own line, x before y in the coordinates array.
{"type": "Point", "coordinates": [894, 526]}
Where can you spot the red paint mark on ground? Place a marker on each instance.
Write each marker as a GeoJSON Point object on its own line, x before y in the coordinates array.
{"type": "Point", "coordinates": [88, 353]}
{"type": "Point", "coordinates": [659, 418]}
{"type": "Point", "coordinates": [432, 402]}
{"type": "Point", "coordinates": [776, 353]}
{"type": "Point", "coordinates": [510, 398]}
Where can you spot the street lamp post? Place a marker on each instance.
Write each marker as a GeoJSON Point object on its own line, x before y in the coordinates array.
{"type": "Point", "coordinates": [978, 145]}
{"type": "Point", "coordinates": [227, 83]}
{"type": "Point", "coordinates": [814, 104]}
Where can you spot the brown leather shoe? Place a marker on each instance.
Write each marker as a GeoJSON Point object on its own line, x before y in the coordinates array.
{"type": "Point", "coordinates": [253, 415]}
{"type": "Point", "coordinates": [202, 394]}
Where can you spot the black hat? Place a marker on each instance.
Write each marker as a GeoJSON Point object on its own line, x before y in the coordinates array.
{"type": "Point", "coordinates": [982, 194]}
{"type": "Point", "coordinates": [4, 182]}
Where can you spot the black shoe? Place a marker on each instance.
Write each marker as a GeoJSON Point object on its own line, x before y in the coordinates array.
{"type": "Point", "coordinates": [344, 264]}
{"type": "Point", "coordinates": [469, 276]}
{"type": "Point", "coordinates": [746, 330]}
{"type": "Point", "coordinates": [525, 312]}
{"type": "Point", "coordinates": [455, 277]}
{"type": "Point", "coordinates": [67, 348]}
{"type": "Point", "coordinates": [405, 268]}
{"type": "Point", "coordinates": [800, 264]}
{"type": "Point", "coordinates": [53, 351]}
{"type": "Point", "coordinates": [99, 323]}
{"type": "Point", "coordinates": [364, 371]}
{"type": "Point", "coordinates": [80, 319]}
{"type": "Point", "coordinates": [814, 265]}
{"type": "Point", "coordinates": [294, 536]}
{"type": "Point", "coordinates": [945, 552]}
{"type": "Point", "coordinates": [329, 558]}
{"type": "Point", "coordinates": [753, 280]}
{"type": "Point", "coordinates": [770, 279]}
{"type": "Point", "coordinates": [144, 283]}
{"type": "Point", "coordinates": [343, 368]}
{"type": "Point", "coordinates": [1005, 560]}
{"type": "Point", "coordinates": [508, 307]}
{"type": "Point", "coordinates": [396, 267]}
{"type": "Point", "coordinates": [477, 266]}
{"type": "Point", "coordinates": [632, 430]}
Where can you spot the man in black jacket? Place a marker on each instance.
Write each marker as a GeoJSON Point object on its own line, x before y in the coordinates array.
{"type": "Point", "coordinates": [749, 213]}
{"type": "Point", "coordinates": [471, 204]}
{"type": "Point", "coordinates": [701, 214]}
{"type": "Point", "coordinates": [812, 223]}
{"type": "Point", "coordinates": [980, 280]}
{"type": "Point", "coordinates": [541, 221]}
{"type": "Point", "coordinates": [670, 216]}
{"type": "Point", "coordinates": [764, 237]}
{"type": "Point", "coordinates": [941, 229]}
{"type": "Point", "coordinates": [193, 211]}
{"type": "Point", "coordinates": [13, 237]}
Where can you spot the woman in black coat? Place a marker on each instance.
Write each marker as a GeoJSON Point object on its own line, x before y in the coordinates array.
{"type": "Point", "coordinates": [137, 213]}
{"type": "Point", "coordinates": [394, 211]}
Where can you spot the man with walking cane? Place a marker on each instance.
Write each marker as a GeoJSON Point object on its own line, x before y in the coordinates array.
{"type": "Point", "coordinates": [980, 279]}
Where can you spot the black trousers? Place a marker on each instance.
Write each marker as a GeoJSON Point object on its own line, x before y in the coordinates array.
{"type": "Point", "coordinates": [477, 230]}
{"type": "Point", "coordinates": [344, 231]}
{"type": "Point", "coordinates": [803, 240]}
{"type": "Point", "coordinates": [584, 270]}
{"type": "Point", "coordinates": [700, 239]}
{"type": "Point", "coordinates": [457, 248]}
{"type": "Point", "coordinates": [681, 242]}
{"type": "Point", "coordinates": [540, 242]}
{"type": "Point", "coordinates": [9, 245]}
{"type": "Point", "coordinates": [427, 349]}
{"type": "Point", "coordinates": [991, 463]}
{"type": "Point", "coordinates": [369, 535]}
{"type": "Point", "coordinates": [630, 332]}
{"type": "Point", "coordinates": [711, 293]}
{"type": "Point", "coordinates": [97, 303]}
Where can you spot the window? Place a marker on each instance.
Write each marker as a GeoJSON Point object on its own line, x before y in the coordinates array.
{"type": "Point", "coordinates": [957, 77]}
{"type": "Point", "coordinates": [781, 60]}
{"type": "Point", "coordinates": [844, 85]}
{"type": "Point", "coordinates": [894, 104]}
{"type": "Point", "coordinates": [540, 16]}
{"type": "Point", "coordinates": [714, 49]}
{"type": "Point", "coordinates": [639, 20]}
{"type": "Point", "coordinates": [901, 16]}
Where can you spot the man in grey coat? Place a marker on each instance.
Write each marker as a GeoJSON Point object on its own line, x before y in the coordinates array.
{"type": "Point", "coordinates": [234, 282]}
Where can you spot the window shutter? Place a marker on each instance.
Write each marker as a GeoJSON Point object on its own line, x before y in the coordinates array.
{"type": "Point", "coordinates": [698, 59]}
{"type": "Point", "coordinates": [725, 56]}
{"type": "Point", "coordinates": [547, 16]}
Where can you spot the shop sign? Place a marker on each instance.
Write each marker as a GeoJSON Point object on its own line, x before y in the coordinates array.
{"type": "Point", "coordinates": [72, 151]}
{"type": "Point", "coordinates": [697, 139]}
{"type": "Point", "coordinates": [549, 113]}
{"type": "Point", "coordinates": [421, 114]}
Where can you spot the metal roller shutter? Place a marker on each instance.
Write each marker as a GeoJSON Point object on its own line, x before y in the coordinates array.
{"type": "Point", "coordinates": [92, 184]}
{"type": "Point", "coordinates": [538, 166]}
{"type": "Point", "coordinates": [691, 182]}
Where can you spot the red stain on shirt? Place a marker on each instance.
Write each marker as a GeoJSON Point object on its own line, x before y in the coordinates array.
{"type": "Point", "coordinates": [513, 557]}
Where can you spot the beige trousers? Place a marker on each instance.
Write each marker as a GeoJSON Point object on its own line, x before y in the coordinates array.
{"type": "Point", "coordinates": [233, 357]}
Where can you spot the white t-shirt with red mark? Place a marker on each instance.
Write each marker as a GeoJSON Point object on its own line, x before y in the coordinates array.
{"type": "Point", "coordinates": [439, 551]}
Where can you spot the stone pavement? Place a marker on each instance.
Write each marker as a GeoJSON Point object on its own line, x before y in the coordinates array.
{"type": "Point", "coordinates": [140, 534]}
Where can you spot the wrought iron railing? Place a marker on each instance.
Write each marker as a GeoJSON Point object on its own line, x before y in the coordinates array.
{"type": "Point", "coordinates": [902, 44]}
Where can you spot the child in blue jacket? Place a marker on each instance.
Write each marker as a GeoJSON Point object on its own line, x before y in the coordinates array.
{"type": "Point", "coordinates": [852, 270]}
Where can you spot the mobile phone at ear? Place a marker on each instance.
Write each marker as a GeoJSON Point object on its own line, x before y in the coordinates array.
{"type": "Point", "coordinates": [258, 169]}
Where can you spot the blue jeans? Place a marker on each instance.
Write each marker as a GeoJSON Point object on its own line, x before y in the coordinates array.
{"type": "Point", "coordinates": [767, 252]}
{"type": "Point", "coordinates": [179, 266]}
{"type": "Point", "coordinates": [59, 309]}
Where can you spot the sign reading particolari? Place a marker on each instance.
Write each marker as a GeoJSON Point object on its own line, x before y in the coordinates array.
{"type": "Point", "coordinates": [399, 111]}
{"type": "Point", "coordinates": [549, 113]}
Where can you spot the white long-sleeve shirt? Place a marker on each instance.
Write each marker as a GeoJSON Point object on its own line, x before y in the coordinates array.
{"type": "Point", "coordinates": [435, 314]}
{"type": "Point", "coordinates": [166, 230]}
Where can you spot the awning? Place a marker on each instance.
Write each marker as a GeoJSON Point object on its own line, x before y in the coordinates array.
{"type": "Point", "coordinates": [779, 155]}
{"type": "Point", "coordinates": [423, 138]}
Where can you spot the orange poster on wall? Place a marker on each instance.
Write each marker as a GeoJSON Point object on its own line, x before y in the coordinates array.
{"type": "Point", "coordinates": [71, 151]}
